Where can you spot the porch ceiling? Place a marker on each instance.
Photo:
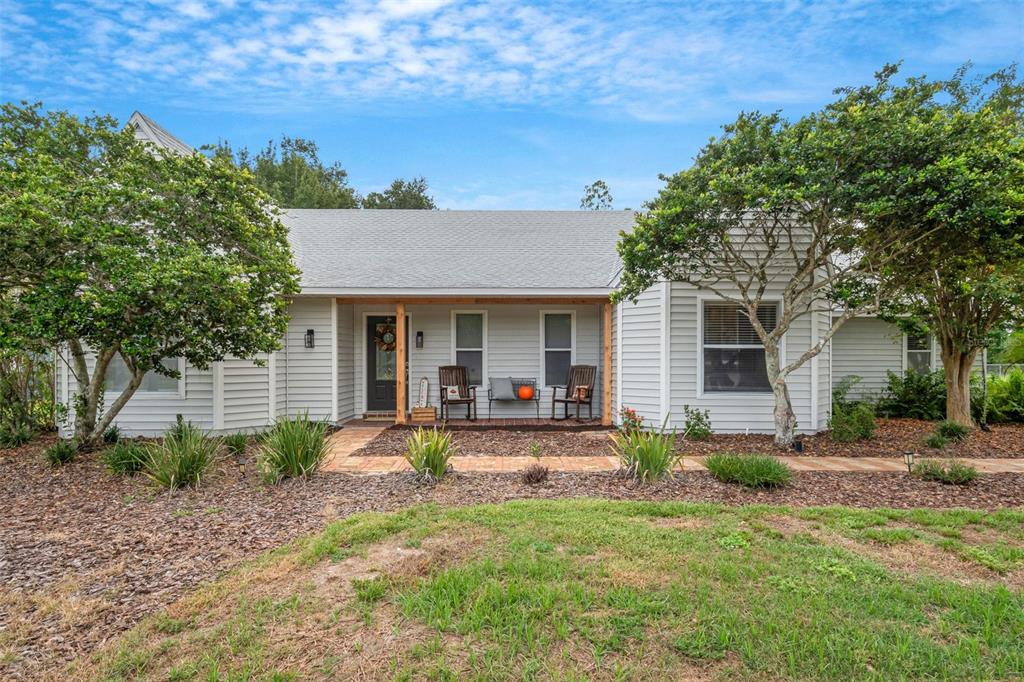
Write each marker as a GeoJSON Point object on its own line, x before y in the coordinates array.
{"type": "Point", "coordinates": [458, 299]}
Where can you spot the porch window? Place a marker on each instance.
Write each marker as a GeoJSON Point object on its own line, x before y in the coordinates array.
{"type": "Point", "coordinates": [118, 375]}
{"type": "Point", "coordinates": [557, 333]}
{"type": "Point", "coordinates": [470, 331]}
{"type": "Point", "coordinates": [734, 359]}
{"type": "Point", "coordinates": [919, 353]}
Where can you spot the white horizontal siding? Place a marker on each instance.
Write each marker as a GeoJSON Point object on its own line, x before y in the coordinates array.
{"type": "Point", "coordinates": [513, 349]}
{"type": "Point", "coordinates": [308, 382]}
{"type": "Point", "coordinates": [346, 362]}
{"type": "Point", "coordinates": [246, 392]}
{"type": "Point", "coordinates": [866, 347]}
{"type": "Point", "coordinates": [641, 355]}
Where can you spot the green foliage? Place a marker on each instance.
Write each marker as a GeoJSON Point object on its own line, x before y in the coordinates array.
{"type": "Point", "coordinates": [293, 448]}
{"type": "Point", "coordinates": [647, 455]}
{"type": "Point", "coordinates": [1013, 350]}
{"type": "Point", "coordinates": [952, 431]}
{"type": "Point", "coordinates": [936, 441]}
{"type": "Point", "coordinates": [952, 472]}
{"type": "Point", "coordinates": [428, 451]}
{"type": "Point", "coordinates": [236, 443]}
{"type": "Point", "coordinates": [402, 194]}
{"type": "Point", "coordinates": [914, 395]}
{"type": "Point", "coordinates": [61, 452]}
{"type": "Point", "coordinates": [112, 435]}
{"type": "Point", "coordinates": [293, 175]}
{"type": "Point", "coordinates": [630, 420]}
{"type": "Point", "coordinates": [15, 435]}
{"type": "Point", "coordinates": [26, 387]}
{"type": "Point", "coordinates": [108, 246]}
{"type": "Point", "coordinates": [752, 471]}
{"type": "Point", "coordinates": [697, 423]}
{"type": "Point", "coordinates": [1006, 397]}
{"type": "Point", "coordinates": [596, 197]}
{"type": "Point", "coordinates": [126, 458]}
{"type": "Point", "coordinates": [851, 422]}
{"type": "Point", "coordinates": [183, 458]}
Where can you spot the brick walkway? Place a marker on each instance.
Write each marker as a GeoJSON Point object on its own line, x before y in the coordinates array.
{"type": "Point", "coordinates": [355, 436]}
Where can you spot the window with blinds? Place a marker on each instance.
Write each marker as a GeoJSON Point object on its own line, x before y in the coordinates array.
{"type": "Point", "coordinates": [734, 358]}
{"type": "Point", "coordinates": [919, 353]}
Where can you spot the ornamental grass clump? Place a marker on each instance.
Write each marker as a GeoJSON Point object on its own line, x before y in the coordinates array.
{"type": "Point", "coordinates": [61, 452]}
{"type": "Point", "coordinates": [752, 471]}
{"type": "Point", "coordinates": [183, 458]}
{"type": "Point", "coordinates": [236, 443]}
{"type": "Point", "coordinates": [953, 431]}
{"type": "Point", "coordinates": [15, 435]}
{"type": "Point", "coordinates": [127, 458]}
{"type": "Point", "coordinates": [951, 472]}
{"type": "Point", "coordinates": [647, 455]}
{"type": "Point", "coordinates": [428, 452]}
{"type": "Point", "coordinates": [293, 448]}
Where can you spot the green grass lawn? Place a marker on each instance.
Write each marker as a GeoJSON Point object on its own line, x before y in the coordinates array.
{"type": "Point", "coordinates": [607, 590]}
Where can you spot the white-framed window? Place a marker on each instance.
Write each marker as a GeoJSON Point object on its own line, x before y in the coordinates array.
{"type": "Point", "coordinates": [469, 343]}
{"type": "Point", "coordinates": [118, 375]}
{"type": "Point", "coordinates": [733, 358]}
{"type": "Point", "coordinates": [557, 345]}
{"type": "Point", "coordinates": [918, 352]}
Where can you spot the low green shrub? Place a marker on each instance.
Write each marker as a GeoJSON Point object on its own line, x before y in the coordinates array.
{"type": "Point", "coordinates": [647, 455]}
{"type": "Point", "coordinates": [15, 435]}
{"type": "Point", "coordinates": [936, 441]}
{"type": "Point", "coordinates": [236, 443]}
{"type": "Point", "coordinates": [112, 435]}
{"type": "Point", "coordinates": [1006, 397]}
{"type": "Point", "coordinates": [851, 422]}
{"type": "Point", "coordinates": [535, 473]}
{"type": "Point", "coordinates": [697, 423]}
{"type": "Point", "coordinates": [951, 472]}
{"type": "Point", "coordinates": [61, 452]}
{"type": "Point", "coordinates": [914, 395]}
{"type": "Point", "coordinates": [752, 471]}
{"type": "Point", "coordinates": [183, 458]}
{"type": "Point", "coordinates": [126, 458]}
{"type": "Point", "coordinates": [293, 448]}
{"type": "Point", "coordinates": [428, 452]}
{"type": "Point", "coordinates": [952, 431]}
{"type": "Point", "coordinates": [630, 420]}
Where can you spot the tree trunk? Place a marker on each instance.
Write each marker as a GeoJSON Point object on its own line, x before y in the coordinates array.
{"type": "Point", "coordinates": [957, 366]}
{"type": "Point", "coordinates": [785, 418]}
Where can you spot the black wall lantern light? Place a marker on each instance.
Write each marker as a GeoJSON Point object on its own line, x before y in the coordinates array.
{"type": "Point", "coordinates": [419, 339]}
{"type": "Point", "coordinates": [310, 342]}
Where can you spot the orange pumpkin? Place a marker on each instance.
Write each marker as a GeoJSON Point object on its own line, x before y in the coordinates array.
{"type": "Point", "coordinates": [525, 392]}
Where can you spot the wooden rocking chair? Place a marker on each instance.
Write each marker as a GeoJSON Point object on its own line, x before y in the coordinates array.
{"type": "Point", "coordinates": [579, 390]}
{"type": "Point", "coordinates": [456, 375]}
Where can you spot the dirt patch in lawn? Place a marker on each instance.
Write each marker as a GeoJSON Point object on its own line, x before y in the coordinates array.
{"type": "Point", "coordinates": [891, 439]}
{"type": "Point", "coordinates": [85, 555]}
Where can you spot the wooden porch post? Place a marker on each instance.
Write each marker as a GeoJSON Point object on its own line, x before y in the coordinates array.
{"type": "Point", "coordinates": [606, 375]}
{"type": "Point", "coordinates": [400, 361]}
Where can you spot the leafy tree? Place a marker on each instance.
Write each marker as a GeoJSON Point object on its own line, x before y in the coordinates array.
{"type": "Point", "coordinates": [148, 256]}
{"type": "Point", "coordinates": [1013, 350]}
{"type": "Point", "coordinates": [945, 169]}
{"type": "Point", "coordinates": [755, 221]}
{"type": "Point", "coordinates": [596, 197]}
{"type": "Point", "coordinates": [402, 194]}
{"type": "Point", "coordinates": [292, 173]}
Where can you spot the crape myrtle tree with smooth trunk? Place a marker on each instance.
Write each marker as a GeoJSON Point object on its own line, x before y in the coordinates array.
{"type": "Point", "coordinates": [948, 172]}
{"type": "Point", "coordinates": [760, 220]}
{"type": "Point", "coordinates": [113, 248]}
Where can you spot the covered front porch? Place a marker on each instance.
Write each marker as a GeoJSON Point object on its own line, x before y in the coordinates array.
{"type": "Point", "coordinates": [524, 338]}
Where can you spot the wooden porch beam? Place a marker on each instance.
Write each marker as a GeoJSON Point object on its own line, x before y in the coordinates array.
{"type": "Point", "coordinates": [474, 300]}
{"type": "Point", "coordinates": [606, 375]}
{"type": "Point", "coordinates": [401, 388]}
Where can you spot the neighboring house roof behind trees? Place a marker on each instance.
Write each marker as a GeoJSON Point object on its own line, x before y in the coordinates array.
{"type": "Point", "coordinates": [343, 249]}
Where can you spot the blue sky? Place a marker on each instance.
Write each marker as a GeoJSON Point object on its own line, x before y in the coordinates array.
{"type": "Point", "coordinates": [499, 104]}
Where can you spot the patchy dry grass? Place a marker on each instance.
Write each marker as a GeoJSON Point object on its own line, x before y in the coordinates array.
{"type": "Point", "coordinates": [606, 590]}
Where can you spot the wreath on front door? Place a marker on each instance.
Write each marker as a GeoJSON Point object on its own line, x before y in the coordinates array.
{"type": "Point", "coordinates": [385, 337]}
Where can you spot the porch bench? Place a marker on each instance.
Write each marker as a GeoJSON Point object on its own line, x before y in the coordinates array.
{"type": "Point", "coordinates": [517, 382]}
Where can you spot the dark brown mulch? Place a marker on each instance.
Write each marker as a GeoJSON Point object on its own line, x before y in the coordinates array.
{"type": "Point", "coordinates": [85, 555]}
{"type": "Point", "coordinates": [891, 439]}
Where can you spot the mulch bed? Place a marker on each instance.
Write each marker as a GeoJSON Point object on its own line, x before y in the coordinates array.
{"type": "Point", "coordinates": [113, 550]}
{"type": "Point", "coordinates": [891, 439]}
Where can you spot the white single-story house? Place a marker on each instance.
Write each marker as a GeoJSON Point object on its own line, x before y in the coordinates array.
{"type": "Point", "coordinates": [506, 294]}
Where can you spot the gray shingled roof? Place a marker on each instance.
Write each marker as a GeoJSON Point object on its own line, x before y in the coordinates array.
{"type": "Point", "coordinates": [148, 130]}
{"type": "Point", "coordinates": [409, 249]}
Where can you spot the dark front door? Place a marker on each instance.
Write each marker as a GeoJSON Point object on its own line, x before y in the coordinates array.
{"type": "Point", "coordinates": [381, 372]}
